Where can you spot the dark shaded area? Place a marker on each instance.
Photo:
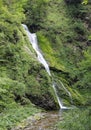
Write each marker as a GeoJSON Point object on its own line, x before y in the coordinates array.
{"type": "Point", "coordinates": [73, 1]}
{"type": "Point", "coordinates": [44, 101]}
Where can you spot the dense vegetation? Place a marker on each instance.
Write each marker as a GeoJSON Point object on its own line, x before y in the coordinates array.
{"type": "Point", "coordinates": [64, 37]}
{"type": "Point", "coordinates": [78, 119]}
{"type": "Point", "coordinates": [22, 79]}
{"type": "Point", "coordinates": [64, 34]}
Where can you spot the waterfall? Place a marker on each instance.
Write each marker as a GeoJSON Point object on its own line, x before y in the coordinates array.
{"type": "Point", "coordinates": [33, 40]}
{"type": "Point", "coordinates": [59, 101]}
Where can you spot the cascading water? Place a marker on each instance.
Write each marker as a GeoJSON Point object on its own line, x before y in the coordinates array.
{"type": "Point", "coordinates": [33, 40]}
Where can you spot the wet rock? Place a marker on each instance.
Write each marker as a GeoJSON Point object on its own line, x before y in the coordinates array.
{"type": "Point", "coordinates": [41, 121]}
{"type": "Point", "coordinates": [45, 101]}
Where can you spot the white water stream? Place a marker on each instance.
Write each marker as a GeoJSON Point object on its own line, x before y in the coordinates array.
{"type": "Point", "coordinates": [33, 40]}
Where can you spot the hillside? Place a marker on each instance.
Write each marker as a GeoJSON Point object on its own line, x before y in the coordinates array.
{"type": "Point", "coordinates": [64, 37]}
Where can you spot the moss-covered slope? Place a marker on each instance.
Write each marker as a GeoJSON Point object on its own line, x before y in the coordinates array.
{"type": "Point", "coordinates": [63, 32]}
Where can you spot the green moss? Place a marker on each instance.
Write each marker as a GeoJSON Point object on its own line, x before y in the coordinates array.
{"type": "Point", "coordinates": [49, 52]}
{"type": "Point", "coordinates": [77, 97]}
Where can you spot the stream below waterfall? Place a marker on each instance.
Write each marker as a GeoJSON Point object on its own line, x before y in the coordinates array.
{"type": "Point", "coordinates": [47, 122]}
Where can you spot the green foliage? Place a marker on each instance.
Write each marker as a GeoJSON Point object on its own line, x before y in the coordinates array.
{"type": "Point", "coordinates": [84, 71]}
{"type": "Point", "coordinates": [9, 90]}
{"type": "Point", "coordinates": [79, 27]}
{"type": "Point", "coordinates": [78, 119]}
{"type": "Point", "coordinates": [85, 2]}
{"type": "Point", "coordinates": [12, 117]}
{"type": "Point", "coordinates": [60, 31]}
{"type": "Point", "coordinates": [35, 12]}
{"type": "Point", "coordinates": [62, 35]}
{"type": "Point", "coordinates": [11, 11]}
{"type": "Point", "coordinates": [49, 52]}
{"type": "Point", "coordinates": [21, 75]}
{"type": "Point", "coordinates": [89, 38]}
